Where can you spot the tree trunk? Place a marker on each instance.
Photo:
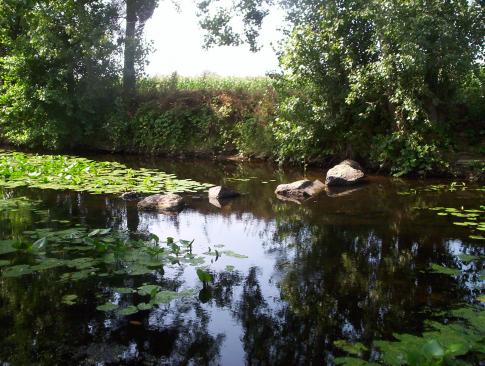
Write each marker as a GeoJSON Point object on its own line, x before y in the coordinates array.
{"type": "Point", "coordinates": [129, 76]}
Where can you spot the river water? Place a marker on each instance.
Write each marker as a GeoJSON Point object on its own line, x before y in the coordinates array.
{"type": "Point", "coordinates": [350, 265]}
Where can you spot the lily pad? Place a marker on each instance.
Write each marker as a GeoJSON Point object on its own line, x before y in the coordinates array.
{"type": "Point", "coordinates": [69, 299]}
{"type": "Point", "coordinates": [18, 271]}
{"type": "Point", "coordinates": [144, 306]}
{"type": "Point", "coordinates": [233, 254]}
{"type": "Point", "coordinates": [109, 306]}
{"type": "Point", "coordinates": [130, 310]}
{"type": "Point", "coordinates": [7, 246]}
{"type": "Point", "coordinates": [444, 270]}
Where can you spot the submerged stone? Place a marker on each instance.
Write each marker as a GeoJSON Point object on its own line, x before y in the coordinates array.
{"type": "Point", "coordinates": [162, 202]}
{"type": "Point", "coordinates": [300, 190]}
{"type": "Point", "coordinates": [348, 172]}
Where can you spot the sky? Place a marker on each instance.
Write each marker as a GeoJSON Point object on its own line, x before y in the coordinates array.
{"type": "Point", "coordinates": [178, 39]}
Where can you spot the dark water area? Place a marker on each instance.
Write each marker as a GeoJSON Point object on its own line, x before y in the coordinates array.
{"type": "Point", "coordinates": [350, 265]}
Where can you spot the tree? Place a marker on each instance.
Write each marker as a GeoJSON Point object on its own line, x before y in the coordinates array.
{"type": "Point", "coordinates": [58, 69]}
{"type": "Point", "coordinates": [137, 13]}
{"type": "Point", "coordinates": [378, 79]}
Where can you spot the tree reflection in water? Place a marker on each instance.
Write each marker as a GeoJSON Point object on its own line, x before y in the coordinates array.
{"type": "Point", "coordinates": [349, 267]}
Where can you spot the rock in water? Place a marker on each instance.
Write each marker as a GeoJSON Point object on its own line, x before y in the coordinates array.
{"type": "Point", "coordinates": [161, 202]}
{"type": "Point", "coordinates": [300, 189]}
{"type": "Point", "coordinates": [346, 173]}
{"type": "Point", "coordinates": [220, 192]}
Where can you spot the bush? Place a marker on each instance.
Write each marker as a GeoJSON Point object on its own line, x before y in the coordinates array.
{"type": "Point", "coordinates": [204, 115]}
{"type": "Point", "coordinates": [385, 71]}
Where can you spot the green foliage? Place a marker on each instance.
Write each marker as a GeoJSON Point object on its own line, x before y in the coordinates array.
{"type": "Point", "coordinates": [58, 70]}
{"type": "Point", "coordinates": [204, 276]}
{"type": "Point", "coordinates": [457, 342]}
{"type": "Point", "coordinates": [386, 72]}
{"type": "Point", "coordinates": [202, 115]}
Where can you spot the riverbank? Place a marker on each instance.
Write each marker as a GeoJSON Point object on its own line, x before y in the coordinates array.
{"type": "Point", "coordinates": [241, 119]}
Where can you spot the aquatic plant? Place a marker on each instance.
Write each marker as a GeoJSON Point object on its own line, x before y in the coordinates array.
{"type": "Point", "coordinates": [459, 340]}
{"type": "Point", "coordinates": [81, 174]}
{"type": "Point", "coordinates": [471, 218]}
{"type": "Point", "coordinates": [69, 253]}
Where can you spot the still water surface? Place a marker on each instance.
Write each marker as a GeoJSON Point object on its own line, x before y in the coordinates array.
{"type": "Point", "coordinates": [352, 265]}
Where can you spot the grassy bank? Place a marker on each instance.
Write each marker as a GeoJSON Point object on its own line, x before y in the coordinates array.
{"type": "Point", "coordinates": [201, 116]}
{"type": "Point", "coordinates": [210, 116]}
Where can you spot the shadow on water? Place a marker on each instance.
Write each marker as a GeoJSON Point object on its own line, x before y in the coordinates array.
{"type": "Point", "coordinates": [344, 265]}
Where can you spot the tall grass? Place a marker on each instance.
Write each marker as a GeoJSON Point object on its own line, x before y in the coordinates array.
{"type": "Point", "coordinates": [207, 82]}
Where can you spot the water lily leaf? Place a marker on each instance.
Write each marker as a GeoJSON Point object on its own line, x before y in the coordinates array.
{"type": "Point", "coordinates": [17, 271]}
{"type": "Point", "coordinates": [144, 306]}
{"type": "Point", "coordinates": [107, 307]}
{"type": "Point", "coordinates": [164, 297]}
{"type": "Point", "coordinates": [229, 268]}
{"type": "Point", "coordinates": [352, 361]}
{"type": "Point", "coordinates": [7, 246]}
{"type": "Point", "coordinates": [466, 258]}
{"type": "Point", "coordinates": [4, 263]}
{"type": "Point", "coordinates": [124, 290]}
{"type": "Point", "coordinates": [352, 348]}
{"type": "Point", "coordinates": [130, 310]}
{"type": "Point", "coordinates": [477, 237]}
{"type": "Point", "coordinates": [204, 276]}
{"type": "Point", "coordinates": [444, 270]}
{"type": "Point", "coordinates": [69, 299]}
{"type": "Point", "coordinates": [94, 232]}
{"type": "Point", "coordinates": [138, 270]}
{"type": "Point", "coordinates": [148, 289]}
{"type": "Point", "coordinates": [230, 253]}
{"type": "Point", "coordinates": [48, 263]}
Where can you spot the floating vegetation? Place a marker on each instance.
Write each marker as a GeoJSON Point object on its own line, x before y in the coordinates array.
{"type": "Point", "coordinates": [80, 174]}
{"type": "Point", "coordinates": [453, 187]}
{"type": "Point", "coordinates": [78, 253]}
{"type": "Point", "coordinates": [459, 340]}
{"type": "Point", "coordinates": [233, 254]}
{"type": "Point", "coordinates": [472, 219]}
{"type": "Point", "coordinates": [204, 276]}
{"type": "Point", "coordinates": [69, 299]}
{"type": "Point", "coordinates": [436, 268]}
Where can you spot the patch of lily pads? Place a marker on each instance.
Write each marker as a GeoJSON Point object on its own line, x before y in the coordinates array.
{"type": "Point", "coordinates": [64, 172]}
{"type": "Point", "coordinates": [472, 219]}
{"type": "Point", "coordinates": [452, 187]}
{"type": "Point", "coordinates": [457, 341]}
{"type": "Point", "coordinates": [72, 253]}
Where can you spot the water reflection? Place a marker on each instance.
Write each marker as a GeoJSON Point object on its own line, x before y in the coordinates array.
{"type": "Point", "coordinates": [349, 265]}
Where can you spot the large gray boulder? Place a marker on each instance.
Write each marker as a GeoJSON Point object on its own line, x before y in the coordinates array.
{"type": "Point", "coordinates": [161, 203]}
{"type": "Point", "coordinates": [299, 190]}
{"type": "Point", "coordinates": [221, 193]}
{"type": "Point", "coordinates": [348, 172]}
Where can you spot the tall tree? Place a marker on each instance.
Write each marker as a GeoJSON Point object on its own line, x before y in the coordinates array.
{"type": "Point", "coordinates": [58, 69]}
{"type": "Point", "coordinates": [137, 13]}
